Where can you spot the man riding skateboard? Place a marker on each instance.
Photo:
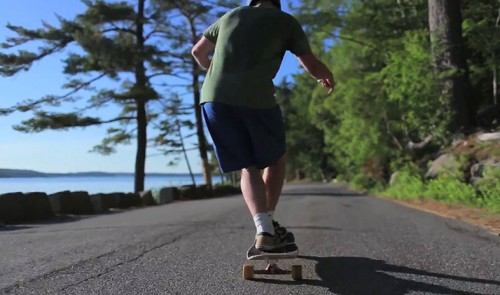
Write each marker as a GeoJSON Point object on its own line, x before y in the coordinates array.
{"type": "Point", "coordinates": [239, 107]}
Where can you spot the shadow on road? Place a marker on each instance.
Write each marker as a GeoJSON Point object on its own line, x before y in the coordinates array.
{"type": "Point", "coordinates": [327, 190]}
{"type": "Point", "coordinates": [323, 194]}
{"type": "Point", "coordinates": [13, 227]}
{"type": "Point", "coordinates": [361, 276]}
{"type": "Point", "coordinates": [59, 219]}
{"type": "Point", "coordinates": [328, 228]}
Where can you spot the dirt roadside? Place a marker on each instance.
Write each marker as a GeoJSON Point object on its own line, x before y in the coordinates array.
{"type": "Point", "coordinates": [479, 217]}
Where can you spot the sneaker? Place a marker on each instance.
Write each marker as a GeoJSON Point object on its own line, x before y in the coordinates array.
{"type": "Point", "coordinates": [283, 233]}
{"type": "Point", "coordinates": [268, 242]}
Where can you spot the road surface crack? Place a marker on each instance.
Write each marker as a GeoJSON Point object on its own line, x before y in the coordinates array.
{"type": "Point", "coordinates": [112, 267]}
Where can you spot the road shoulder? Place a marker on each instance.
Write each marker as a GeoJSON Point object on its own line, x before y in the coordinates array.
{"type": "Point", "coordinates": [480, 217]}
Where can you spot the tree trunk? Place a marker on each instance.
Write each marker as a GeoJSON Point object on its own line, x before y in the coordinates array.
{"type": "Point", "coordinates": [199, 129]}
{"type": "Point", "coordinates": [202, 143]}
{"type": "Point", "coordinates": [495, 73]}
{"type": "Point", "coordinates": [185, 153]}
{"type": "Point", "coordinates": [445, 24]}
{"type": "Point", "coordinates": [495, 82]}
{"type": "Point", "coordinates": [140, 159]}
{"type": "Point", "coordinates": [140, 83]}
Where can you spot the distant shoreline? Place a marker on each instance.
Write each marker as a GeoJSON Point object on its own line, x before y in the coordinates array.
{"type": "Point", "coordinates": [19, 173]}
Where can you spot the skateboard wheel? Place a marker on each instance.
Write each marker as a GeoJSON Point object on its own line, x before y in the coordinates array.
{"type": "Point", "coordinates": [248, 271]}
{"type": "Point", "coordinates": [297, 272]}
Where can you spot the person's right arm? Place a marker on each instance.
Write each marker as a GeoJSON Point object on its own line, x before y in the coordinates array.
{"type": "Point", "coordinates": [300, 47]}
{"type": "Point", "coordinates": [318, 70]}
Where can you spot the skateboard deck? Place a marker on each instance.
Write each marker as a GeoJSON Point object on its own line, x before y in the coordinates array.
{"type": "Point", "coordinates": [272, 258]}
{"type": "Point", "coordinates": [287, 252]}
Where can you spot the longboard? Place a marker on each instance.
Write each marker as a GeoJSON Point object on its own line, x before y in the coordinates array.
{"type": "Point", "coordinates": [287, 252]}
{"type": "Point", "coordinates": [272, 258]}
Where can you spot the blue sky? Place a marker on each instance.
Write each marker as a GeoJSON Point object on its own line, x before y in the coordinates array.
{"type": "Point", "coordinates": [65, 151]}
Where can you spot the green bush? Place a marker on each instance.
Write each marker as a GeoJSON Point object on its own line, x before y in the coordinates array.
{"type": "Point", "coordinates": [489, 188]}
{"type": "Point", "coordinates": [450, 189]}
{"type": "Point", "coordinates": [408, 185]}
{"type": "Point", "coordinates": [363, 182]}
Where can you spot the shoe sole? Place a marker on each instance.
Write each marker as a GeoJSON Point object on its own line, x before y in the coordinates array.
{"type": "Point", "coordinates": [269, 255]}
{"type": "Point", "coordinates": [270, 248]}
{"type": "Point", "coordinates": [286, 252]}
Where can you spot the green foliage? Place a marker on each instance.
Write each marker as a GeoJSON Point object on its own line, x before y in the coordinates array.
{"type": "Point", "coordinates": [369, 119]}
{"type": "Point", "coordinates": [305, 144]}
{"type": "Point", "coordinates": [115, 136]}
{"type": "Point", "coordinates": [59, 121]}
{"type": "Point", "coordinates": [489, 188]}
{"type": "Point", "coordinates": [482, 32]}
{"type": "Point", "coordinates": [449, 188]}
{"type": "Point", "coordinates": [388, 95]}
{"type": "Point", "coordinates": [408, 184]}
{"type": "Point", "coordinates": [413, 108]}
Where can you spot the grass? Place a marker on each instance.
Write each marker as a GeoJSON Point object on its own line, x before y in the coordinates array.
{"type": "Point", "coordinates": [449, 189]}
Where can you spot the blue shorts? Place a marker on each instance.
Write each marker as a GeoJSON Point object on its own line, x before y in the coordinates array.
{"type": "Point", "coordinates": [245, 137]}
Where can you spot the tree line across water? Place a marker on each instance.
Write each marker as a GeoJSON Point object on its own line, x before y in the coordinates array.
{"type": "Point", "coordinates": [412, 76]}
{"type": "Point", "coordinates": [134, 47]}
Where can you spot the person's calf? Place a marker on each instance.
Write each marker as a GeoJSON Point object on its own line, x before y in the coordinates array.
{"type": "Point", "coordinates": [274, 177]}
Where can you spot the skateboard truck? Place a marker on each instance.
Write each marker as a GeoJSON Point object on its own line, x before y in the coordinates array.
{"type": "Point", "coordinates": [272, 268]}
{"type": "Point", "coordinates": [271, 258]}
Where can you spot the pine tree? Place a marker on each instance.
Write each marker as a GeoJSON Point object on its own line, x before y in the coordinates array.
{"type": "Point", "coordinates": [482, 36]}
{"type": "Point", "coordinates": [115, 42]}
{"type": "Point", "coordinates": [134, 45]}
{"type": "Point", "coordinates": [445, 24]}
{"type": "Point", "coordinates": [189, 18]}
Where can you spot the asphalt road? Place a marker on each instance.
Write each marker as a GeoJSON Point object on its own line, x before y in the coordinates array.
{"type": "Point", "coordinates": [349, 244]}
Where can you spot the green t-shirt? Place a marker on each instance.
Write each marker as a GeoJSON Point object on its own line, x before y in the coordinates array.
{"type": "Point", "coordinates": [250, 43]}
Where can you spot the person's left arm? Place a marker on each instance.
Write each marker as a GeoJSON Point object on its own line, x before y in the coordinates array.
{"type": "Point", "coordinates": [201, 52]}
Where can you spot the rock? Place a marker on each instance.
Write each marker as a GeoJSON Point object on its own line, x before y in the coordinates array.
{"type": "Point", "coordinates": [156, 196]}
{"type": "Point", "coordinates": [203, 192]}
{"type": "Point", "coordinates": [19, 207]}
{"type": "Point", "coordinates": [459, 140]}
{"type": "Point", "coordinates": [187, 192]}
{"type": "Point", "coordinates": [477, 170]}
{"type": "Point", "coordinates": [62, 203]}
{"type": "Point", "coordinates": [82, 203]}
{"type": "Point", "coordinates": [168, 195]}
{"type": "Point", "coordinates": [109, 200]}
{"type": "Point", "coordinates": [135, 200]}
{"type": "Point", "coordinates": [37, 206]}
{"type": "Point", "coordinates": [489, 136]}
{"type": "Point", "coordinates": [147, 198]}
{"type": "Point", "coordinates": [11, 209]}
{"type": "Point", "coordinates": [394, 177]}
{"type": "Point", "coordinates": [100, 203]}
{"type": "Point", "coordinates": [225, 190]}
{"type": "Point", "coordinates": [120, 200]}
{"type": "Point", "coordinates": [493, 161]}
{"type": "Point", "coordinates": [446, 163]}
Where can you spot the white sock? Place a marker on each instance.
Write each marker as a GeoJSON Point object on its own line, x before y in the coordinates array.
{"type": "Point", "coordinates": [263, 223]}
{"type": "Point", "coordinates": [271, 214]}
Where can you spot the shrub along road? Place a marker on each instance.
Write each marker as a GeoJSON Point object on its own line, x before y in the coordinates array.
{"type": "Point", "coordinates": [350, 244]}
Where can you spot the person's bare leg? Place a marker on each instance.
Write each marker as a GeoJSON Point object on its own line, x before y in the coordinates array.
{"type": "Point", "coordinates": [254, 190]}
{"type": "Point", "coordinates": [274, 177]}
{"type": "Point", "coordinates": [254, 193]}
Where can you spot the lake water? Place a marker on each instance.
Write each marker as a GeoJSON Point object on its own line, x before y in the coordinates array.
{"type": "Point", "coordinates": [102, 184]}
